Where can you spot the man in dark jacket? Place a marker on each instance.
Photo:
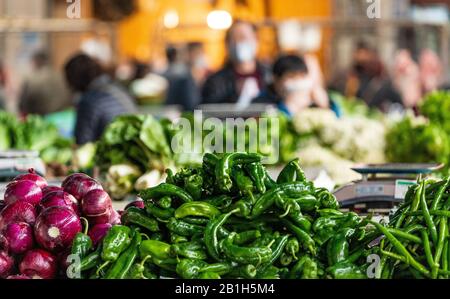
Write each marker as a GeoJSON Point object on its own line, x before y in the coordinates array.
{"type": "Point", "coordinates": [242, 77]}
{"type": "Point", "coordinates": [101, 100]}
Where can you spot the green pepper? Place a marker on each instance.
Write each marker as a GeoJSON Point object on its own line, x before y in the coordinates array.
{"type": "Point", "coordinates": [123, 264]}
{"type": "Point", "coordinates": [243, 271]}
{"type": "Point", "coordinates": [137, 270]}
{"type": "Point", "coordinates": [221, 202]}
{"type": "Point", "coordinates": [115, 242]}
{"type": "Point", "coordinates": [183, 228]}
{"type": "Point", "coordinates": [211, 234]}
{"type": "Point", "coordinates": [155, 249]}
{"type": "Point", "coordinates": [292, 172]}
{"type": "Point", "coordinates": [310, 270]}
{"type": "Point", "coordinates": [190, 250]}
{"type": "Point", "coordinates": [245, 255]}
{"type": "Point", "coordinates": [243, 182]}
{"type": "Point", "coordinates": [189, 269]}
{"type": "Point", "coordinates": [258, 175]}
{"type": "Point", "coordinates": [292, 247]}
{"type": "Point", "coordinates": [247, 237]}
{"type": "Point", "coordinates": [226, 163]}
{"type": "Point", "coordinates": [209, 275]}
{"type": "Point", "coordinates": [196, 220]}
{"type": "Point", "coordinates": [326, 198]}
{"type": "Point", "coordinates": [138, 217]}
{"type": "Point", "coordinates": [157, 236]}
{"type": "Point", "coordinates": [270, 272]}
{"type": "Point", "coordinates": [285, 259]}
{"type": "Point", "coordinates": [286, 190]}
{"type": "Point", "coordinates": [175, 238]}
{"type": "Point", "coordinates": [308, 202]}
{"type": "Point", "coordinates": [345, 270]}
{"type": "Point", "coordinates": [278, 247]}
{"type": "Point", "coordinates": [158, 213]}
{"type": "Point", "coordinates": [194, 185]}
{"type": "Point", "coordinates": [165, 189]}
{"type": "Point", "coordinates": [168, 264]}
{"type": "Point", "coordinates": [303, 237]}
{"type": "Point", "coordinates": [219, 268]}
{"type": "Point", "coordinates": [91, 260]}
{"type": "Point", "coordinates": [165, 202]}
{"type": "Point", "coordinates": [196, 208]}
{"type": "Point", "coordinates": [338, 246]}
{"type": "Point", "coordinates": [82, 243]}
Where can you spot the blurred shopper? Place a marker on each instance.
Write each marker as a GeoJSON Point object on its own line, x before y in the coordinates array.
{"type": "Point", "coordinates": [368, 80]}
{"type": "Point", "coordinates": [182, 88]}
{"type": "Point", "coordinates": [431, 72]}
{"type": "Point", "coordinates": [198, 62]}
{"type": "Point", "coordinates": [44, 90]}
{"type": "Point", "coordinates": [243, 77]}
{"type": "Point", "coordinates": [293, 87]}
{"type": "Point", "coordinates": [406, 79]}
{"type": "Point", "coordinates": [101, 100]}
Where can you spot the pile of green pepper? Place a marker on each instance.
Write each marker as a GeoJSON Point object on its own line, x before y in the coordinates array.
{"type": "Point", "coordinates": [229, 219]}
{"type": "Point", "coordinates": [416, 240]}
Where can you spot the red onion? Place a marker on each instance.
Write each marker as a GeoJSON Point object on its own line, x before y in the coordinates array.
{"type": "Point", "coordinates": [19, 236]}
{"type": "Point", "coordinates": [98, 232]}
{"type": "Point", "coordinates": [56, 228]}
{"type": "Point", "coordinates": [96, 202]}
{"type": "Point", "coordinates": [48, 189]}
{"type": "Point", "coordinates": [32, 176]}
{"type": "Point", "coordinates": [26, 191]}
{"type": "Point", "coordinates": [4, 244]}
{"type": "Point", "coordinates": [75, 176]}
{"type": "Point", "coordinates": [59, 199]}
{"type": "Point", "coordinates": [38, 263]}
{"type": "Point", "coordinates": [18, 277]}
{"type": "Point", "coordinates": [114, 218]}
{"type": "Point", "coordinates": [137, 203]}
{"type": "Point", "coordinates": [6, 264]}
{"type": "Point", "coordinates": [17, 212]}
{"type": "Point", "coordinates": [80, 185]}
{"type": "Point", "coordinates": [100, 219]}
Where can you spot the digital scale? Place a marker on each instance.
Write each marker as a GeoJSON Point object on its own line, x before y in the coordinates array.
{"type": "Point", "coordinates": [14, 163]}
{"type": "Point", "coordinates": [382, 187]}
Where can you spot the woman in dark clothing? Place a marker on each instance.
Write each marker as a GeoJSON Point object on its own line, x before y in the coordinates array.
{"type": "Point", "coordinates": [101, 100]}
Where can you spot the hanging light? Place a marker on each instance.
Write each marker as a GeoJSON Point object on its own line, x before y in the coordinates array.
{"type": "Point", "coordinates": [219, 20]}
{"type": "Point", "coordinates": [171, 19]}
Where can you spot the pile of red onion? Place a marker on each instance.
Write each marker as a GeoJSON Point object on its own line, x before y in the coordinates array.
{"type": "Point", "coordinates": [39, 222]}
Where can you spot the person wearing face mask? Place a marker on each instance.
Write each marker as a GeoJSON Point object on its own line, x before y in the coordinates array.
{"type": "Point", "coordinates": [243, 77]}
{"type": "Point", "coordinates": [293, 87]}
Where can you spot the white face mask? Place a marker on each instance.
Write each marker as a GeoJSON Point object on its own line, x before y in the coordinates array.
{"type": "Point", "coordinates": [297, 85]}
{"type": "Point", "coordinates": [244, 51]}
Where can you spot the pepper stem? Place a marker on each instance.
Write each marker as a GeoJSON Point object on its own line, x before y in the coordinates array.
{"type": "Point", "coordinates": [86, 225]}
{"type": "Point", "coordinates": [101, 268]}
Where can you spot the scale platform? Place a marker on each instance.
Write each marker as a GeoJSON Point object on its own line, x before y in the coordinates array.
{"type": "Point", "coordinates": [14, 162]}
{"type": "Point", "coordinates": [382, 186]}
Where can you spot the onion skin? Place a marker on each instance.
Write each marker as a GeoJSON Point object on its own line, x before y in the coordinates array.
{"type": "Point", "coordinates": [137, 204]}
{"type": "Point", "coordinates": [56, 228]}
{"type": "Point", "coordinates": [98, 232]}
{"type": "Point", "coordinates": [59, 199]}
{"type": "Point", "coordinates": [75, 176]}
{"type": "Point", "coordinates": [100, 219]}
{"type": "Point", "coordinates": [6, 264]}
{"type": "Point", "coordinates": [20, 237]}
{"type": "Point", "coordinates": [80, 184]}
{"type": "Point", "coordinates": [96, 202]}
{"type": "Point", "coordinates": [38, 263]}
{"type": "Point", "coordinates": [26, 191]}
{"type": "Point", "coordinates": [17, 212]}
{"type": "Point", "coordinates": [114, 218]}
{"type": "Point", "coordinates": [50, 189]}
{"type": "Point", "coordinates": [32, 176]}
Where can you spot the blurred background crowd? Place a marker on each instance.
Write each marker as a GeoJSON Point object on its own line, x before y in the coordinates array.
{"type": "Point", "coordinates": [124, 57]}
